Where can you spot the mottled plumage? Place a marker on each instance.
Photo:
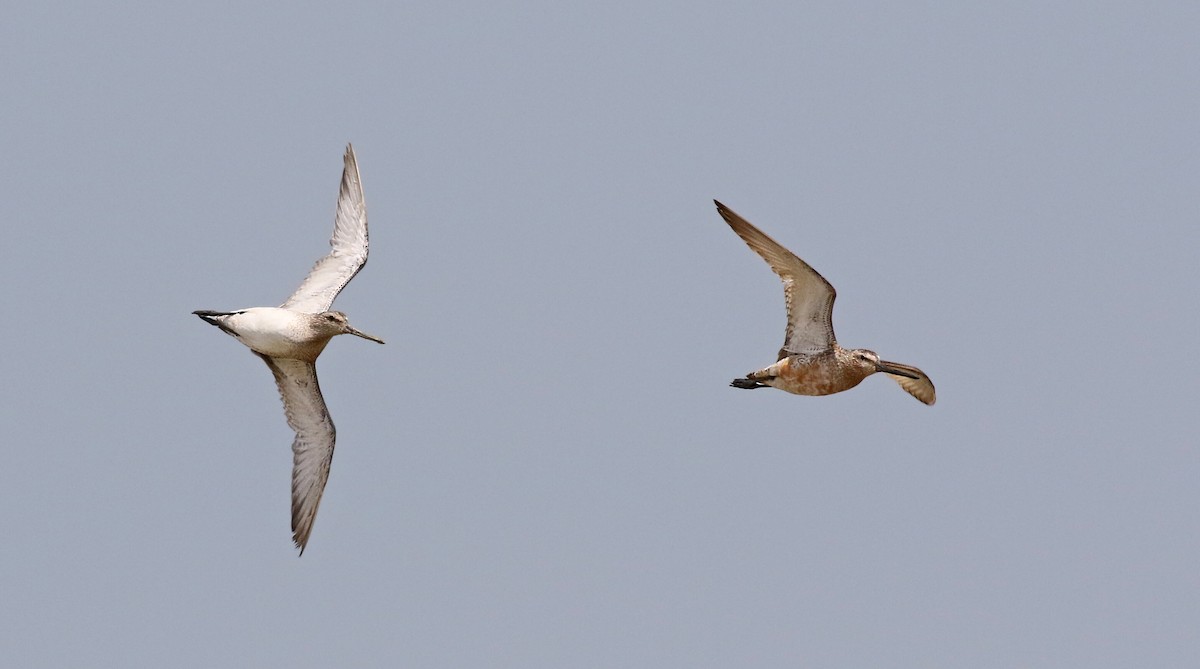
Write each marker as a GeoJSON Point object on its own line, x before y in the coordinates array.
{"type": "Point", "coordinates": [811, 362]}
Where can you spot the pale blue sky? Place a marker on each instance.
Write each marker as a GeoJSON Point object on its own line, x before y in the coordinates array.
{"type": "Point", "coordinates": [545, 466]}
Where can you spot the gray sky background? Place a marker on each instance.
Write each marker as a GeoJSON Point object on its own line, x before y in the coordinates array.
{"type": "Point", "coordinates": [545, 466]}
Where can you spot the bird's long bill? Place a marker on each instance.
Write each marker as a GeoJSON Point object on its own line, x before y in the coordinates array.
{"type": "Point", "coordinates": [898, 369]}
{"type": "Point", "coordinates": [359, 333]}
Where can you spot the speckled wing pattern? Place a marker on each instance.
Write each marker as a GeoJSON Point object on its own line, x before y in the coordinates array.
{"type": "Point", "coordinates": [808, 295]}
{"type": "Point", "coordinates": [312, 450]}
{"type": "Point", "coordinates": [349, 242]}
{"type": "Point", "coordinates": [920, 388]}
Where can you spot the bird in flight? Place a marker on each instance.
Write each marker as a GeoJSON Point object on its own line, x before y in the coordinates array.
{"type": "Point", "coordinates": [291, 336]}
{"type": "Point", "coordinates": [811, 362]}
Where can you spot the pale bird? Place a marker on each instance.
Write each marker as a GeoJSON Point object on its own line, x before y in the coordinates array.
{"type": "Point", "coordinates": [811, 362]}
{"type": "Point", "coordinates": [291, 336]}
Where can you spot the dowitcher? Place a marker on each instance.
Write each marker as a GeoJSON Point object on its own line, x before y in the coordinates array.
{"type": "Point", "coordinates": [291, 336]}
{"type": "Point", "coordinates": [811, 362]}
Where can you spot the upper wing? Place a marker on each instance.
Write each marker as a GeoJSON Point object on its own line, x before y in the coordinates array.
{"type": "Point", "coordinates": [331, 273]}
{"type": "Point", "coordinates": [920, 388]}
{"type": "Point", "coordinates": [808, 295]}
{"type": "Point", "coordinates": [312, 450]}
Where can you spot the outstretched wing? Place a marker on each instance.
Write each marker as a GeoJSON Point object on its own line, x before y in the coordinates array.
{"type": "Point", "coordinates": [808, 295]}
{"type": "Point", "coordinates": [312, 450]}
{"type": "Point", "coordinates": [331, 273]}
{"type": "Point", "coordinates": [920, 387]}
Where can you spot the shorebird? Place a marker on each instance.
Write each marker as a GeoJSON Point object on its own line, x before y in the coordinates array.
{"type": "Point", "coordinates": [291, 336]}
{"type": "Point", "coordinates": [811, 362]}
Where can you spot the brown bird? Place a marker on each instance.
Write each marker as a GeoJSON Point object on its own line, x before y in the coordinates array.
{"type": "Point", "coordinates": [811, 362]}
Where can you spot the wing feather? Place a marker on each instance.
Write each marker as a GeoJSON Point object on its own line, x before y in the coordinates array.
{"type": "Point", "coordinates": [330, 275]}
{"type": "Point", "coordinates": [920, 388]}
{"type": "Point", "coordinates": [808, 295]}
{"type": "Point", "coordinates": [312, 450]}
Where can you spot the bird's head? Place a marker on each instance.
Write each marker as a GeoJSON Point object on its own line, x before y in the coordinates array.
{"type": "Point", "coordinates": [870, 363]}
{"type": "Point", "coordinates": [336, 323]}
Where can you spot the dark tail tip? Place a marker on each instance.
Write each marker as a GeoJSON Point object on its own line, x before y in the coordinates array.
{"type": "Point", "coordinates": [746, 384]}
{"type": "Point", "coordinates": [212, 318]}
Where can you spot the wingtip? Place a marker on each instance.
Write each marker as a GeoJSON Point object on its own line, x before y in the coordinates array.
{"type": "Point", "coordinates": [726, 213]}
{"type": "Point", "coordinates": [300, 539]}
{"type": "Point", "coordinates": [921, 387]}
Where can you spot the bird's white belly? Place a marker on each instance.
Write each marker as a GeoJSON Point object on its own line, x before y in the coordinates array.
{"type": "Point", "coordinates": [271, 331]}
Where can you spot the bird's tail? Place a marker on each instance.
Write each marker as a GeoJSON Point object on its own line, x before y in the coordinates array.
{"type": "Point", "coordinates": [216, 318]}
{"type": "Point", "coordinates": [747, 384]}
